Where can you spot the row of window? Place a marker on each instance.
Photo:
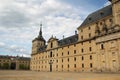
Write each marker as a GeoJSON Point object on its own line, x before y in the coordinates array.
{"type": "Point", "coordinates": [68, 66]}
{"type": "Point", "coordinates": [53, 55]}
{"type": "Point", "coordinates": [82, 58]}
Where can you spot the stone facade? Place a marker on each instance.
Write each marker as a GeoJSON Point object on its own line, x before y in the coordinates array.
{"type": "Point", "coordinates": [14, 62]}
{"type": "Point", "coordinates": [96, 47]}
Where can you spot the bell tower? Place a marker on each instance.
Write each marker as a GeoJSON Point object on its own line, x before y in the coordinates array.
{"type": "Point", "coordinates": [38, 42]}
{"type": "Point", "coordinates": [116, 11]}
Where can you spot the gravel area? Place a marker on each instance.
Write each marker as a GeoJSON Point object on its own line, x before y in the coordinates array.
{"type": "Point", "coordinates": [32, 75]}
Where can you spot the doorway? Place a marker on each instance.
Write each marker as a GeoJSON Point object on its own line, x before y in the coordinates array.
{"type": "Point", "coordinates": [13, 66]}
{"type": "Point", "coordinates": [50, 67]}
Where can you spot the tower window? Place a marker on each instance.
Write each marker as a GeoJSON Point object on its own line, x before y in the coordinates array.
{"type": "Point", "coordinates": [51, 44]}
{"type": "Point", "coordinates": [102, 46]}
{"type": "Point", "coordinates": [50, 54]}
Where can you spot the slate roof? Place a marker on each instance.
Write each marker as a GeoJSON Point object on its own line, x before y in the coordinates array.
{"type": "Point", "coordinates": [43, 48]}
{"type": "Point", "coordinates": [62, 42]}
{"type": "Point", "coordinates": [68, 40]}
{"type": "Point", "coordinates": [39, 39]}
{"type": "Point", "coordinates": [95, 16]}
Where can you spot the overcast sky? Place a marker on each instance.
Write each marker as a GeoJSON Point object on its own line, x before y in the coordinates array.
{"type": "Point", "coordinates": [20, 21]}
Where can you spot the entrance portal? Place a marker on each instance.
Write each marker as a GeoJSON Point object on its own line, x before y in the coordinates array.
{"type": "Point", "coordinates": [50, 67]}
{"type": "Point", "coordinates": [13, 66]}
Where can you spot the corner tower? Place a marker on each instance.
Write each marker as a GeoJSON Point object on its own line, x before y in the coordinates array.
{"type": "Point", "coordinates": [38, 42]}
{"type": "Point", "coordinates": [116, 11]}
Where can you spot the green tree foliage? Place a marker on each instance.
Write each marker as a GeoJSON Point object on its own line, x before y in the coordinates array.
{"type": "Point", "coordinates": [23, 67]}
{"type": "Point", "coordinates": [5, 66]}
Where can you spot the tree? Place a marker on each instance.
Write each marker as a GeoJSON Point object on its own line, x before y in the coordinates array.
{"type": "Point", "coordinates": [5, 66]}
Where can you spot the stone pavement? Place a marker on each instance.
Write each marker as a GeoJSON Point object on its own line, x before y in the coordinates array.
{"type": "Point", "coordinates": [32, 75]}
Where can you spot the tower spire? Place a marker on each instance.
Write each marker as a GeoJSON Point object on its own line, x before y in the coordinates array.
{"type": "Point", "coordinates": [40, 33]}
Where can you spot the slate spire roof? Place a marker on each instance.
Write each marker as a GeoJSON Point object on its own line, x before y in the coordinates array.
{"type": "Point", "coordinates": [40, 37]}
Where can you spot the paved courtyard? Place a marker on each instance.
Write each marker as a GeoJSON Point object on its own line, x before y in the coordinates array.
{"type": "Point", "coordinates": [32, 75]}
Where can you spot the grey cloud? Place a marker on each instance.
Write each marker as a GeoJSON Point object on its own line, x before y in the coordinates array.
{"type": "Point", "coordinates": [13, 18]}
{"type": "Point", "coordinates": [13, 49]}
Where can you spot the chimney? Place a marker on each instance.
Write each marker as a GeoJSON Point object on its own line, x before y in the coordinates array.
{"type": "Point", "coordinates": [63, 36]}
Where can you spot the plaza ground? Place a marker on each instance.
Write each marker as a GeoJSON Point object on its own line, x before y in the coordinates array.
{"type": "Point", "coordinates": [32, 75]}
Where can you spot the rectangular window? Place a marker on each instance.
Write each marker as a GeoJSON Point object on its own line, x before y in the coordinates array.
{"type": "Point", "coordinates": [50, 54]}
{"type": "Point", "coordinates": [82, 65]}
{"type": "Point", "coordinates": [62, 60]}
{"type": "Point", "coordinates": [57, 54]}
{"type": "Point", "coordinates": [89, 28]}
{"type": "Point", "coordinates": [90, 49]}
{"type": "Point", "coordinates": [81, 37]}
{"type": "Point", "coordinates": [82, 58]}
{"type": "Point", "coordinates": [62, 54]}
{"type": "Point", "coordinates": [81, 30]}
{"type": "Point", "coordinates": [68, 66]}
{"type": "Point", "coordinates": [56, 66]}
{"type": "Point", "coordinates": [89, 35]}
{"type": "Point", "coordinates": [62, 66]}
{"type": "Point", "coordinates": [74, 65]}
{"type": "Point", "coordinates": [74, 51]}
{"type": "Point", "coordinates": [68, 52]}
{"type": "Point", "coordinates": [74, 58]}
{"type": "Point", "coordinates": [82, 43]}
{"type": "Point", "coordinates": [68, 59]}
{"type": "Point", "coordinates": [82, 50]}
{"type": "Point", "coordinates": [89, 41]}
{"type": "Point", "coordinates": [90, 57]}
{"type": "Point", "coordinates": [102, 46]}
{"type": "Point", "coordinates": [91, 65]}
{"type": "Point", "coordinates": [74, 45]}
{"type": "Point", "coordinates": [57, 61]}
